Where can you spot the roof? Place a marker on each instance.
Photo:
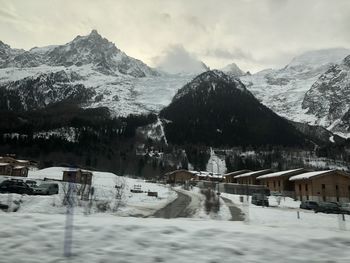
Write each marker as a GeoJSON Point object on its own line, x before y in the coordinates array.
{"type": "Point", "coordinates": [4, 164]}
{"type": "Point", "coordinates": [280, 173]}
{"type": "Point", "coordinates": [254, 173]}
{"type": "Point", "coordinates": [19, 167]}
{"type": "Point", "coordinates": [208, 174]}
{"type": "Point", "coordinates": [237, 172]}
{"type": "Point", "coordinates": [310, 175]}
{"type": "Point", "coordinates": [22, 161]}
{"type": "Point", "coordinates": [179, 171]}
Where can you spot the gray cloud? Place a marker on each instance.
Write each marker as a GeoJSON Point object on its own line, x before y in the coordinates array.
{"type": "Point", "coordinates": [176, 59]}
{"type": "Point", "coordinates": [254, 33]}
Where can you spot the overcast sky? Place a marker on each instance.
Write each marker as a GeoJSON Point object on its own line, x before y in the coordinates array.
{"type": "Point", "coordinates": [255, 34]}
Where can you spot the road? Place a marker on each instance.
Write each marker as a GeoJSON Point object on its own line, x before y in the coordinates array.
{"type": "Point", "coordinates": [177, 208]}
{"type": "Point", "coordinates": [236, 213]}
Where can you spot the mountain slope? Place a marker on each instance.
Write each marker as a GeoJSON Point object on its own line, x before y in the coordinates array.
{"type": "Point", "coordinates": [92, 49]}
{"type": "Point", "coordinates": [233, 70]}
{"type": "Point", "coordinates": [123, 84]}
{"type": "Point", "coordinates": [329, 97]}
{"type": "Point", "coordinates": [283, 90]}
{"type": "Point", "coordinates": [37, 92]}
{"type": "Point", "coordinates": [216, 109]}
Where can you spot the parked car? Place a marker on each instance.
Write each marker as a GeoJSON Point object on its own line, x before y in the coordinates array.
{"type": "Point", "coordinates": [260, 199]}
{"type": "Point", "coordinates": [46, 189]}
{"type": "Point", "coordinates": [328, 208]}
{"type": "Point", "coordinates": [31, 183]}
{"type": "Point", "coordinates": [309, 205]}
{"type": "Point", "coordinates": [15, 186]}
{"type": "Point", "coordinates": [345, 208]}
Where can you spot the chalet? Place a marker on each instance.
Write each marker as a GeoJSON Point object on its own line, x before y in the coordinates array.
{"type": "Point", "coordinates": [329, 185]}
{"type": "Point", "coordinates": [77, 176]}
{"type": "Point", "coordinates": [229, 177]}
{"type": "Point", "coordinates": [250, 177]}
{"type": "Point", "coordinates": [180, 176]}
{"type": "Point", "coordinates": [12, 167]}
{"type": "Point", "coordinates": [279, 181]}
{"type": "Point", "coordinates": [208, 176]}
{"type": "Point", "coordinates": [19, 170]}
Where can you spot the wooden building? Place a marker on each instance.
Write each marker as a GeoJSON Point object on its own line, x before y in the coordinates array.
{"type": "Point", "coordinates": [12, 167]}
{"type": "Point", "coordinates": [329, 185]}
{"type": "Point", "coordinates": [180, 176]}
{"type": "Point", "coordinates": [19, 170]}
{"type": "Point", "coordinates": [279, 181]}
{"type": "Point", "coordinates": [77, 176]}
{"type": "Point", "coordinates": [250, 177]}
{"type": "Point", "coordinates": [229, 177]}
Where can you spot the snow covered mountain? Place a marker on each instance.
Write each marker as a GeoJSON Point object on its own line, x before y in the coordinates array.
{"type": "Point", "coordinates": [123, 84]}
{"type": "Point", "coordinates": [329, 97]}
{"type": "Point", "coordinates": [233, 70]}
{"type": "Point", "coordinates": [284, 90]}
{"type": "Point", "coordinates": [217, 109]}
{"type": "Point", "coordinates": [92, 50]}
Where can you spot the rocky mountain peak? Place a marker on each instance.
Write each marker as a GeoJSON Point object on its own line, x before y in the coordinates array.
{"type": "Point", "coordinates": [210, 81]}
{"type": "Point", "coordinates": [233, 70]}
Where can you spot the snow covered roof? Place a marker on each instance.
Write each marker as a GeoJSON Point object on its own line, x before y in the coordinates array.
{"type": "Point", "coordinates": [253, 173]}
{"type": "Point", "coordinates": [4, 164]}
{"type": "Point", "coordinates": [19, 167]}
{"type": "Point", "coordinates": [22, 161]}
{"type": "Point", "coordinates": [180, 171]}
{"type": "Point", "coordinates": [280, 173]}
{"type": "Point", "coordinates": [208, 174]}
{"type": "Point", "coordinates": [309, 175]}
{"type": "Point", "coordinates": [237, 172]}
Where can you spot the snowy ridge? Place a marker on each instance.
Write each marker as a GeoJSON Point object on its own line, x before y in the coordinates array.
{"type": "Point", "coordinates": [214, 77]}
{"type": "Point", "coordinates": [284, 90]}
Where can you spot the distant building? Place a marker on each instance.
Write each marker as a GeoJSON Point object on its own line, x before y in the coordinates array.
{"type": "Point", "coordinates": [12, 167]}
{"type": "Point", "coordinates": [250, 177]}
{"type": "Point", "coordinates": [208, 176]}
{"type": "Point", "coordinates": [279, 181]}
{"type": "Point", "coordinates": [229, 177]}
{"type": "Point", "coordinates": [77, 176]}
{"type": "Point", "coordinates": [180, 176]}
{"type": "Point", "coordinates": [329, 185]}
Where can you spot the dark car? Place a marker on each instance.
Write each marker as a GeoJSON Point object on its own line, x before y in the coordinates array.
{"type": "Point", "coordinates": [309, 205]}
{"type": "Point", "coordinates": [328, 208]}
{"type": "Point", "coordinates": [345, 208]}
{"type": "Point", "coordinates": [260, 199]}
{"type": "Point", "coordinates": [15, 186]}
{"type": "Point", "coordinates": [46, 189]}
{"type": "Point", "coordinates": [31, 183]}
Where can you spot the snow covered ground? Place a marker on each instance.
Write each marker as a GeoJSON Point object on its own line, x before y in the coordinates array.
{"type": "Point", "coordinates": [131, 204]}
{"type": "Point", "coordinates": [106, 238]}
{"type": "Point", "coordinates": [275, 234]}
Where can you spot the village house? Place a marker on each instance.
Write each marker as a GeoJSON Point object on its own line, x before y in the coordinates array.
{"type": "Point", "coordinates": [250, 177]}
{"type": "Point", "coordinates": [78, 176]}
{"type": "Point", "coordinates": [208, 176]}
{"type": "Point", "coordinates": [279, 181]}
{"type": "Point", "coordinates": [12, 167]}
{"type": "Point", "coordinates": [329, 185]}
{"type": "Point", "coordinates": [180, 176]}
{"type": "Point", "coordinates": [229, 177]}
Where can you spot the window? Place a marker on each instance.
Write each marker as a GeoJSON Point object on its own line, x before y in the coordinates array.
{"type": "Point", "coordinates": [274, 184]}
{"type": "Point", "coordinates": [299, 187]}
{"type": "Point", "coordinates": [306, 189]}
{"type": "Point", "coordinates": [279, 184]}
{"type": "Point", "coordinates": [336, 187]}
{"type": "Point", "coordinates": [323, 186]}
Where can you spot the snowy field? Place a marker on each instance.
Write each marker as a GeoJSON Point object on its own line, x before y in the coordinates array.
{"type": "Point", "coordinates": [106, 238]}
{"type": "Point", "coordinates": [131, 204]}
{"type": "Point", "coordinates": [36, 232]}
